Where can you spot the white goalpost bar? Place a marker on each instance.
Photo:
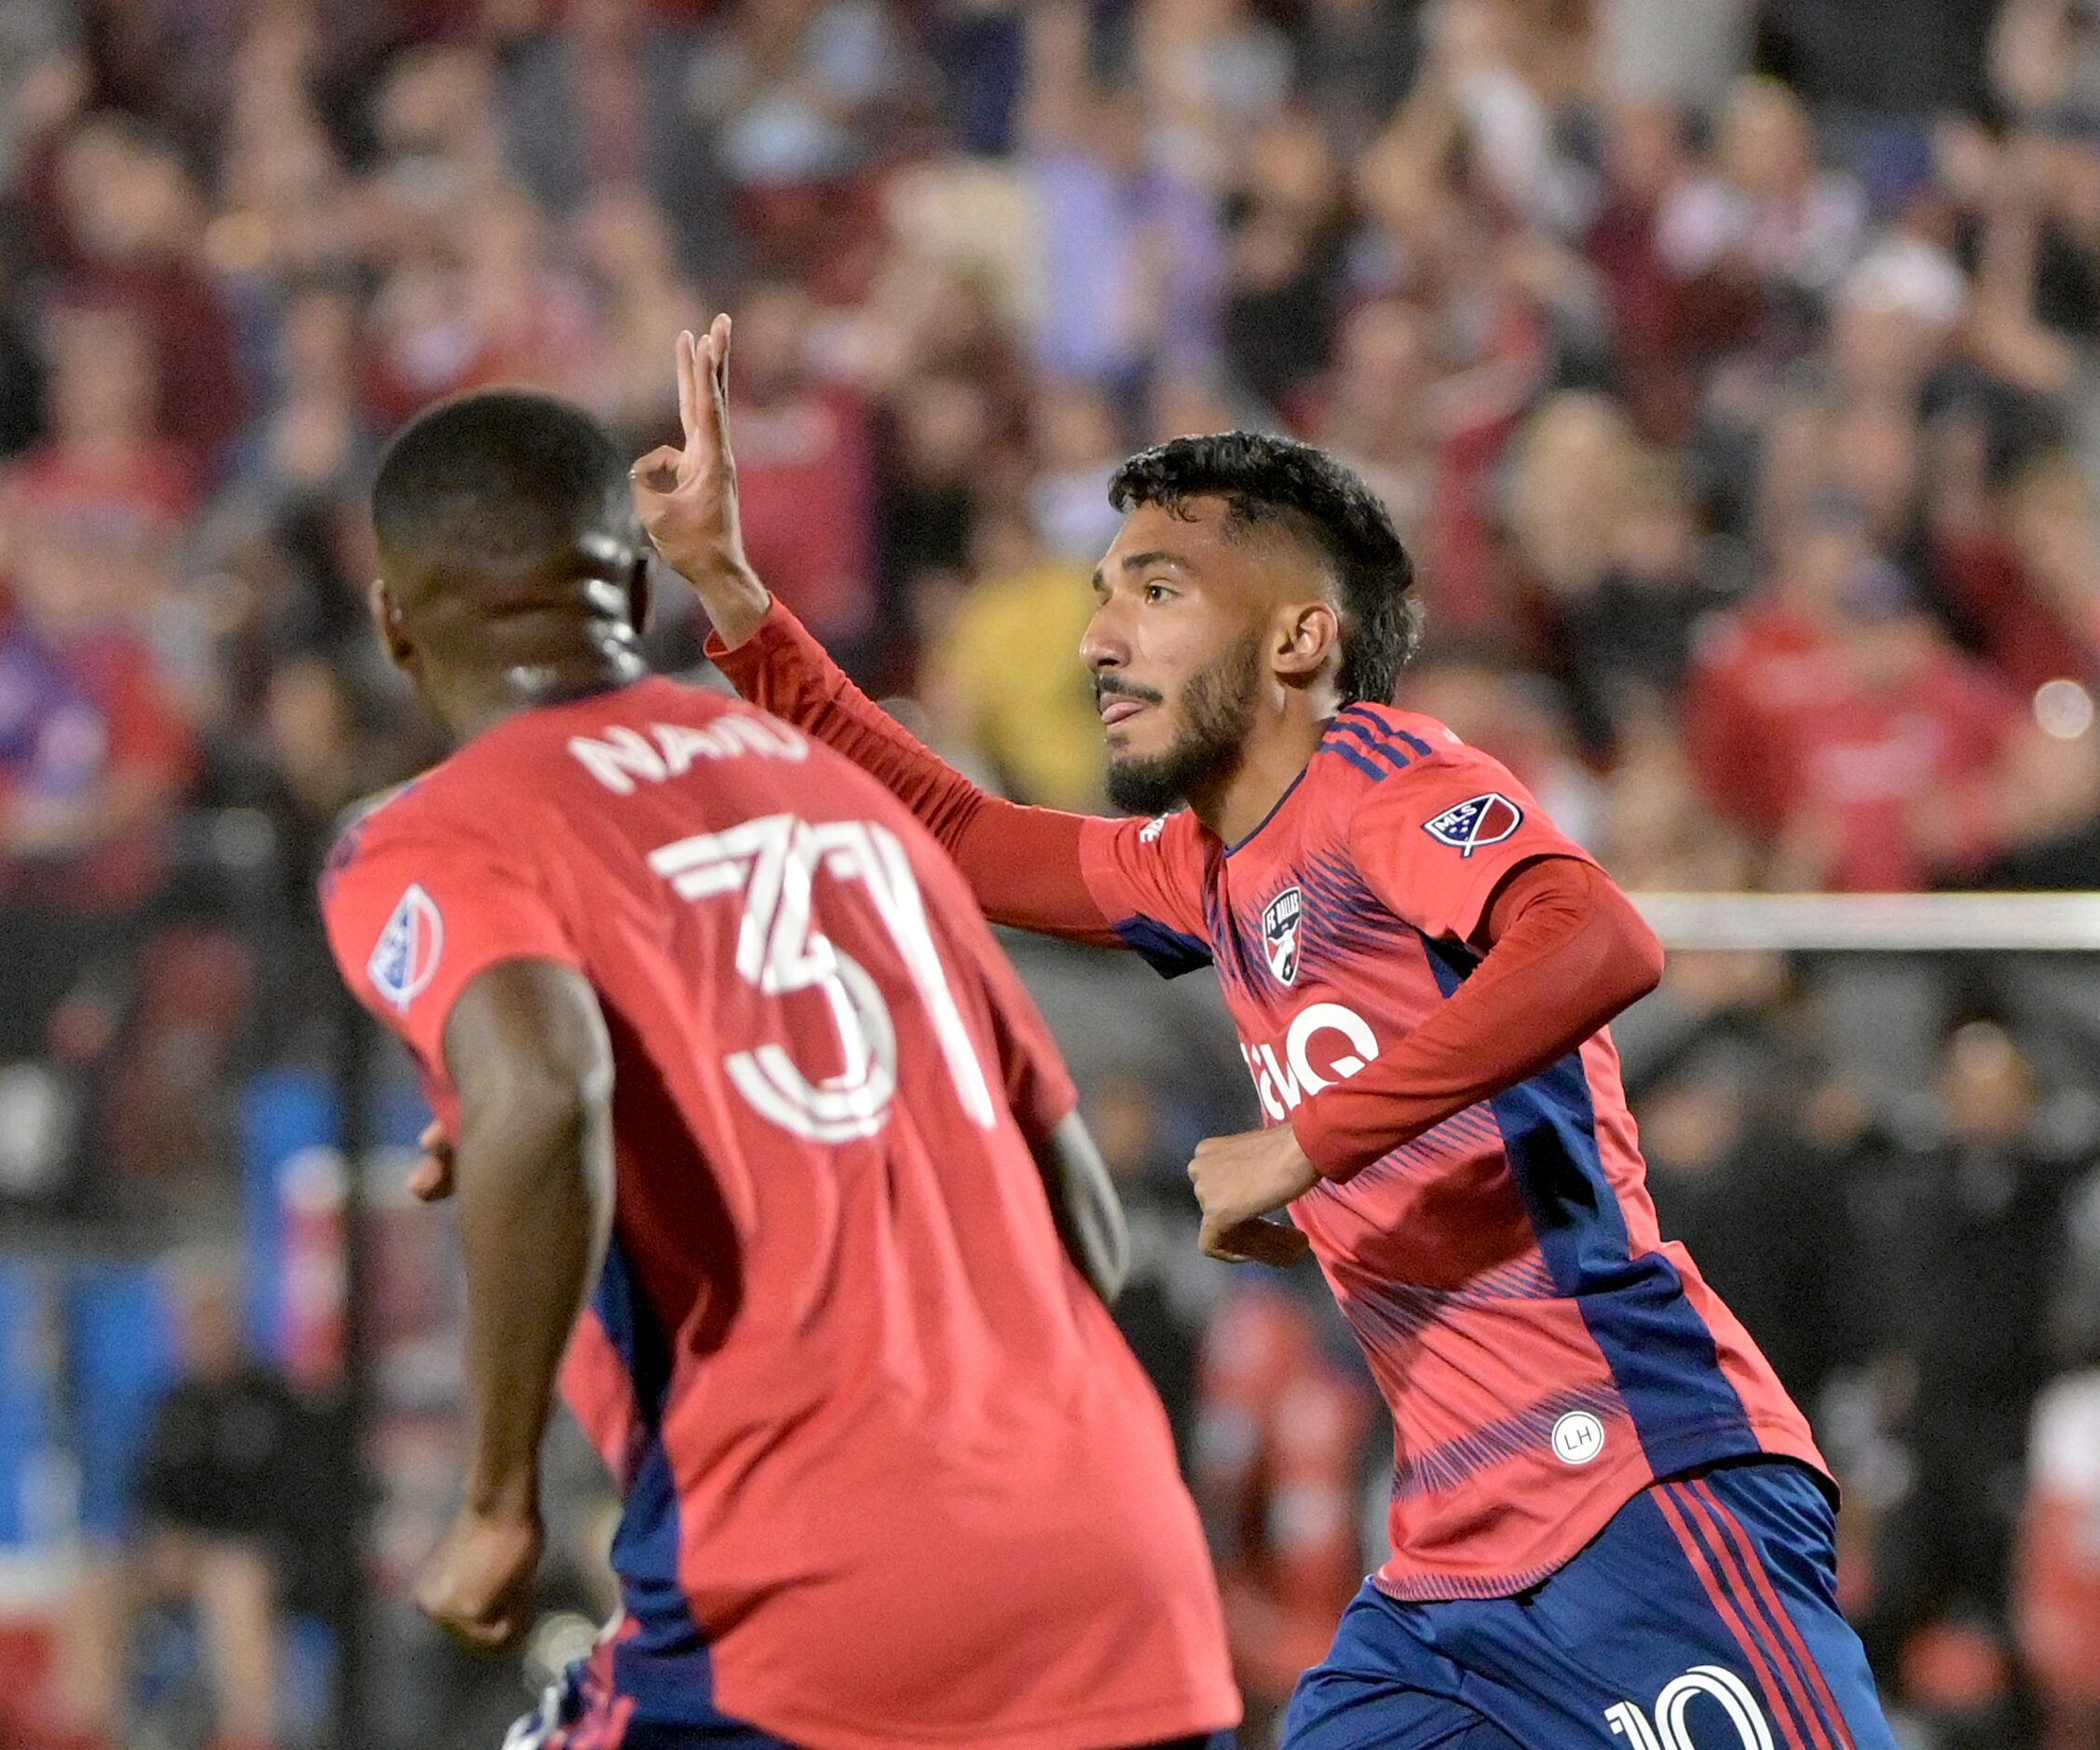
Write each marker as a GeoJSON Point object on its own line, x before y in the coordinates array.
{"type": "Point", "coordinates": [2055, 922]}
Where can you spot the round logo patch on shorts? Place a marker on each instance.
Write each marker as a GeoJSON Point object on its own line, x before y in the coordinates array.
{"type": "Point", "coordinates": [1577, 1438]}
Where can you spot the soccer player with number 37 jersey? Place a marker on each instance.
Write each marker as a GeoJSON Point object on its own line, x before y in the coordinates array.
{"type": "Point", "coordinates": [1609, 1523]}
{"type": "Point", "coordinates": [719, 1043]}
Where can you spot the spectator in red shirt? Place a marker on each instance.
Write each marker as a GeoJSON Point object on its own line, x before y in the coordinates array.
{"type": "Point", "coordinates": [100, 461]}
{"type": "Point", "coordinates": [1281, 1429]}
{"type": "Point", "coordinates": [1646, 159]}
{"type": "Point", "coordinates": [96, 754]}
{"type": "Point", "coordinates": [1894, 784]}
{"type": "Point", "coordinates": [1758, 243]}
{"type": "Point", "coordinates": [93, 758]}
{"type": "Point", "coordinates": [1836, 721]}
{"type": "Point", "coordinates": [1771, 662]}
{"type": "Point", "coordinates": [123, 223]}
{"type": "Point", "coordinates": [486, 304]}
{"type": "Point", "coordinates": [2030, 581]}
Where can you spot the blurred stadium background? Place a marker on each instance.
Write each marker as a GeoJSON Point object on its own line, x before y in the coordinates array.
{"type": "Point", "coordinates": [1733, 367]}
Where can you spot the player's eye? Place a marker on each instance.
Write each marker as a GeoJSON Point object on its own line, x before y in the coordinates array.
{"type": "Point", "coordinates": [1157, 593]}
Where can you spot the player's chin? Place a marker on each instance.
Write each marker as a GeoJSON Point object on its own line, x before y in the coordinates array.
{"type": "Point", "coordinates": [1135, 744]}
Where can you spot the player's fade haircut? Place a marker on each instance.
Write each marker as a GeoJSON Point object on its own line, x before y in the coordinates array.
{"type": "Point", "coordinates": [1279, 483]}
{"type": "Point", "coordinates": [503, 482]}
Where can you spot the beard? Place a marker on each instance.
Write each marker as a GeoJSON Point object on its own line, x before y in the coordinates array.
{"type": "Point", "coordinates": [1218, 709]}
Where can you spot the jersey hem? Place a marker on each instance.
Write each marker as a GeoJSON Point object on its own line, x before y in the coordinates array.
{"type": "Point", "coordinates": [1664, 1460]}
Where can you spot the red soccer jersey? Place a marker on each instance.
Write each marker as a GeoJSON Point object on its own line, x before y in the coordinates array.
{"type": "Point", "coordinates": [892, 1478]}
{"type": "Point", "coordinates": [1544, 1353]}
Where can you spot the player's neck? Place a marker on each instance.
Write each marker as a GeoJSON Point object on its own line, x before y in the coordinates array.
{"type": "Point", "coordinates": [474, 704]}
{"type": "Point", "coordinates": [1272, 758]}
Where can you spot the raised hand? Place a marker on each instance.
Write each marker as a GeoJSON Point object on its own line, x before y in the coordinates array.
{"type": "Point", "coordinates": [686, 494]}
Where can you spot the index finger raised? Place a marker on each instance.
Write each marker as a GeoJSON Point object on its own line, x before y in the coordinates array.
{"type": "Point", "coordinates": [689, 389]}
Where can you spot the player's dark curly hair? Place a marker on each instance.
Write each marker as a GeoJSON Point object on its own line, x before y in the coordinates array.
{"type": "Point", "coordinates": [1276, 482]}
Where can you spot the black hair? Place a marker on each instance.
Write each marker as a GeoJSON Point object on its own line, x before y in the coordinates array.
{"type": "Point", "coordinates": [501, 482]}
{"type": "Point", "coordinates": [1276, 482]}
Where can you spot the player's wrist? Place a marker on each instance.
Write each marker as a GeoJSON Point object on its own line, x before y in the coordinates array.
{"type": "Point", "coordinates": [1318, 1147]}
{"type": "Point", "coordinates": [735, 598]}
{"type": "Point", "coordinates": [503, 1491]}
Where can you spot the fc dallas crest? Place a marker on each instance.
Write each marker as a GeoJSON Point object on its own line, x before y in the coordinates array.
{"type": "Point", "coordinates": [1279, 933]}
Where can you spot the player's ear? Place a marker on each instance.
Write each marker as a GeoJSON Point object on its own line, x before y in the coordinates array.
{"type": "Point", "coordinates": [1307, 636]}
{"type": "Point", "coordinates": [385, 618]}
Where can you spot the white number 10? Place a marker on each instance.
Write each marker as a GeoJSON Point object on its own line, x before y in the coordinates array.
{"type": "Point", "coordinates": [772, 864]}
{"type": "Point", "coordinates": [1669, 1732]}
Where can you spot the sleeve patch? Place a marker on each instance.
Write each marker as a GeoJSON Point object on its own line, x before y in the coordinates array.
{"type": "Point", "coordinates": [1481, 821]}
{"type": "Point", "coordinates": [406, 958]}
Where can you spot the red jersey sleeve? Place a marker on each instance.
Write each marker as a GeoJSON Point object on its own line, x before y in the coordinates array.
{"type": "Point", "coordinates": [415, 914]}
{"type": "Point", "coordinates": [1435, 841]}
{"type": "Point", "coordinates": [1148, 877]}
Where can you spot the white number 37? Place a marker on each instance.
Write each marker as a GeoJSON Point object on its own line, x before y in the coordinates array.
{"type": "Point", "coordinates": [771, 866]}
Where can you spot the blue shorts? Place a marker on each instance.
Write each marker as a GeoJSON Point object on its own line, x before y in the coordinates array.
{"type": "Point", "coordinates": [1704, 1617]}
{"type": "Point", "coordinates": [586, 1712]}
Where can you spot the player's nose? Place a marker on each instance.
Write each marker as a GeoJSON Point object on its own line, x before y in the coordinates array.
{"type": "Point", "coordinates": [1104, 648]}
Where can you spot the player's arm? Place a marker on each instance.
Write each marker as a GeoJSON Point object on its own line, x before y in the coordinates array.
{"type": "Point", "coordinates": [525, 1048]}
{"type": "Point", "coordinates": [452, 944]}
{"type": "Point", "coordinates": [1083, 1200]}
{"type": "Point", "coordinates": [1541, 949]}
{"type": "Point", "coordinates": [1563, 951]}
{"type": "Point", "coordinates": [1023, 864]}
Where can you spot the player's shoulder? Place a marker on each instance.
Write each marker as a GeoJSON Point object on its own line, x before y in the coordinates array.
{"type": "Point", "coordinates": [1370, 747]}
{"type": "Point", "coordinates": [459, 807]}
{"type": "Point", "coordinates": [1383, 767]}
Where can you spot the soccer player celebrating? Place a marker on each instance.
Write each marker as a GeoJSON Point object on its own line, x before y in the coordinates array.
{"type": "Point", "coordinates": [721, 1044]}
{"type": "Point", "coordinates": [1608, 1520]}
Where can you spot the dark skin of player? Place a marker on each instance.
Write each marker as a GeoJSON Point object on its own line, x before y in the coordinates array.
{"type": "Point", "coordinates": [525, 1046]}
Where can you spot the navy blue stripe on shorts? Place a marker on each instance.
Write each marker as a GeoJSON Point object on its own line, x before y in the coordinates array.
{"type": "Point", "coordinates": [1703, 1617]}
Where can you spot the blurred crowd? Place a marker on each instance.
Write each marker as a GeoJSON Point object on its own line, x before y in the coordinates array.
{"type": "Point", "coordinates": [1731, 366]}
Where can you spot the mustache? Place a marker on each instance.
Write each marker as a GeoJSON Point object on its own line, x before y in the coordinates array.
{"type": "Point", "coordinates": [1108, 687]}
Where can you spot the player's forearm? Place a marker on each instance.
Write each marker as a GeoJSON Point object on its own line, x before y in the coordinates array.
{"type": "Point", "coordinates": [735, 600]}
{"type": "Point", "coordinates": [1566, 952]}
{"type": "Point", "coordinates": [1084, 1202]}
{"type": "Point", "coordinates": [526, 1048]}
{"type": "Point", "coordinates": [535, 1214]}
{"type": "Point", "coordinates": [1023, 864]}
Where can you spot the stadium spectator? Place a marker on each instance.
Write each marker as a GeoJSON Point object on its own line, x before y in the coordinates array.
{"type": "Point", "coordinates": [225, 1492]}
{"type": "Point", "coordinates": [1971, 1230]}
{"type": "Point", "coordinates": [1283, 1421]}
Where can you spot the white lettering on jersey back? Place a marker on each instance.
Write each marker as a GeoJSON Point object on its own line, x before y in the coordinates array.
{"type": "Point", "coordinates": [621, 754]}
